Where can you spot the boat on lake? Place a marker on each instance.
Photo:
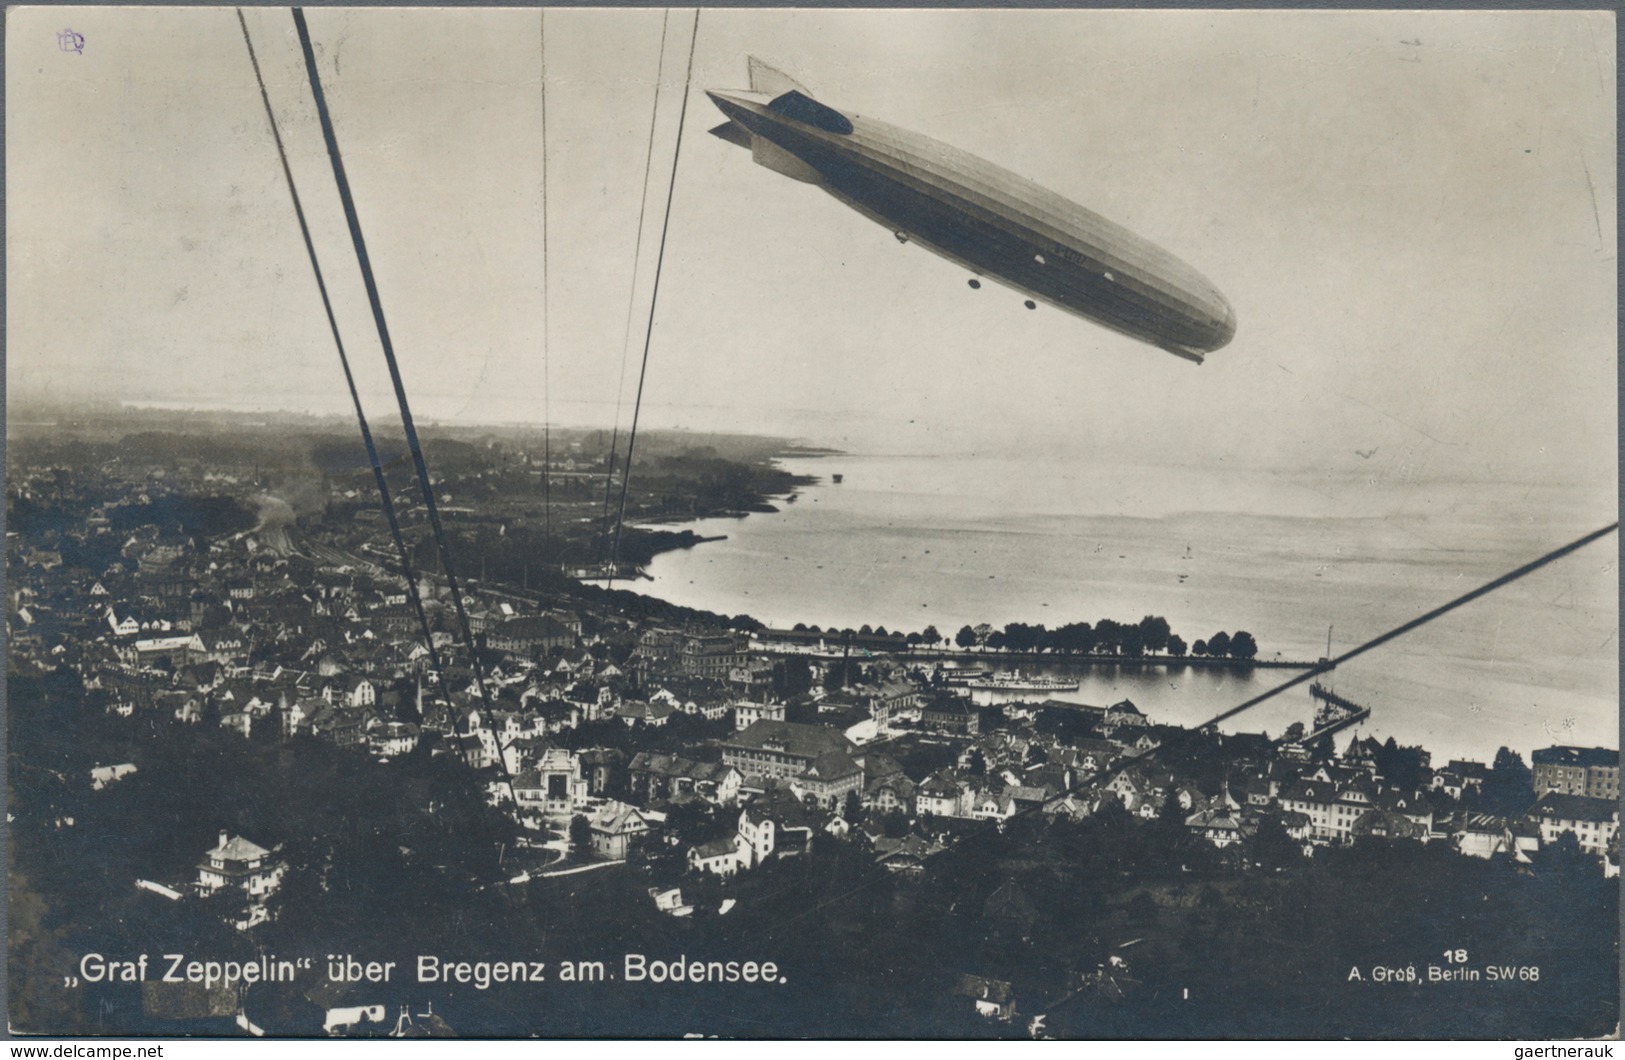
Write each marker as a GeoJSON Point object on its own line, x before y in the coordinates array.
{"type": "Point", "coordinates": [1016, 681]}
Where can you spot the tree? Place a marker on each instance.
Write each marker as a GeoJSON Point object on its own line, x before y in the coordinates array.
{"type": "Point", "coordinates": [966, 637]}
{"type": "Point", "coordinates": [1108, 635]}
{"type": "Point", "coordinates": [1154, 633]}
{"type": "Point", "coordinates": [842, 673]}
{"type": "Point", "coordinates": [1242, 645]}
{"type": "Point", "coordinates": [1508, 789]}
{"type": "Point", "coordinates": [1270, 847]}
{"type": "Point", "coordinates": [1218, 645]}
{"type": "Point", "coordinates": [1200, 647]}
{"type": "Point", "coordinates": [894, 824]}
{"type": "Point", "coordinates": [792, 677]}
{"type": "Point", "coordinates": [580, 833]}
{"type": "Point", "coordinates": [929, 635]}
{"type": "Point", "coordinates": [1176, 645]}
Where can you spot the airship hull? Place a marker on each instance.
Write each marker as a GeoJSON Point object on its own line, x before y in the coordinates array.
{"type": "Point", "coordinates": [990, 221]}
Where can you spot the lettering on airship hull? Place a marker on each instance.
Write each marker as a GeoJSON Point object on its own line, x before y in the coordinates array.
{"type": "Point", "coordinates": [1070, 255]}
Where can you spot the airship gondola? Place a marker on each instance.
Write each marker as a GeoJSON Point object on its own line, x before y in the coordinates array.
{"type": "Point", "coordinates": [979, 216]}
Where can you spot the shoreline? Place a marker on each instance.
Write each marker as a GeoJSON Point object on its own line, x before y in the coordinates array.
{"type": "Point", "coordinates": [1055, 659]}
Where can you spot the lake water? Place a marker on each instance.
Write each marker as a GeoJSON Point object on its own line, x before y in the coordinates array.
{"type": "Point", "coordinates": [907, 541]}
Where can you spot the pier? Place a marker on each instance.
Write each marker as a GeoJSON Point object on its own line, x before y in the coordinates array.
{"type": "Point", "coordinates": [1335, 713]}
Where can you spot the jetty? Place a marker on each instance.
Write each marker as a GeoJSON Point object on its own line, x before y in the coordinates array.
{"type": "Point", "coordinates": [1335, 713]}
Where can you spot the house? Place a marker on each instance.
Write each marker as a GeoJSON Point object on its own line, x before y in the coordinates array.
{"type": "Point", "coordinates": [670, 901]}
{"type": "Point", "coordinates": [892, 698]}
{"type": "Point", "coordinates": [236, 862]}
{"type": "Point", "coordinates": [906, 856]}
{"type": "Point", "coordinates": [751, 844]}
{"type": "Point", "coordinates": [393, 738]}
{"type": "Point", "coordinates": [223, 646]}
{"type": "Point", "coordinates": [614, 827]}
{"type": "Point", "coordinates": [830, 779]}
{"type": "Point", "coordinates": [599, 765]}
{"type": "Point", "coordinates": [655, 777]}
{"type": "Point", "coordinates": [653, 714]}
{"type": "Point", "coordinates": [555, 787]}
{"type": "Point", "coordinates": [713, 654]}
{"type": "Point", "coordinates": [1589, 771]}
{"type": "Point", "coordinates": [1125, 713]}
{"type": "Point", "coordinates": [241, 722]}
{"type": "Point", "coordinates": [1485, 836]}
{"type": "Point", "coordinates": [1331, 812]}
{"type": "Point", "coordinates": [993, 807]}
{"type": "Point", "coordinates": [360, 693]}
{"type": "Point", "coordinates": [888, 793]}
{"type": "Point", "coordinates": [1389, 825]}
{"type": "Point", "coordinates": [819, 758]}
{"type": "Point", "coordinates": [101, 776]}
{"type": "Point", "coordinates": [942, 794]}
{"type": "Point", "coordinates": [1407, 804]}
{"type": "Point", "coordinates": [1594, 822]}
{"type": "Point", "coordinates": [793, 825]}
{"type": "Point", "coordinates": [529, 636]}
{"type": "Point", "coordinates": [720, 857]}
{"type": "Point", "coordinates": [1138, 791]}
{"type": "Point", "coordinates": [1031, 796]}
{"type": "Point", "coordinates": [176, 651]}
{"type": "Point", "coordinates": [128, 626]}
{"type": "Point", "coordinates": [187, 710]}
{"type": "Point", "coordinates": [950, 714]}
{"type": "Point", "coordinates": [993, 998]}
{"type": "Point", "coordinates": [747, 713]}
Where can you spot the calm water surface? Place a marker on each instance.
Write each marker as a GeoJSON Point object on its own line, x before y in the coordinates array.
{"type": "Point", "coordinates": [904, 542]}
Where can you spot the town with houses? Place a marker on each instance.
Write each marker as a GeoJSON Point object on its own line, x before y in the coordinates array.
{"type": "Point", "coordinates": [694, 752]}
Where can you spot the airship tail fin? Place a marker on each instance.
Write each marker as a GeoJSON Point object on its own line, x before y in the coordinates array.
{"type": "Point", "coordinates": [732, 132]}
{"type": "Point", "coordinates": [765, 79]}
{"type": "Point", "coordinates": [765, 152]}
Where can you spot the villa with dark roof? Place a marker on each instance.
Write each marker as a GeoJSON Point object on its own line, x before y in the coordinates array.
{"type": "Point", "coordinates": [236, 862]}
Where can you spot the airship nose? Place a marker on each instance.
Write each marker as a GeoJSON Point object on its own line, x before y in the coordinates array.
{"type": "Point", "coordinates": [1227, 329]}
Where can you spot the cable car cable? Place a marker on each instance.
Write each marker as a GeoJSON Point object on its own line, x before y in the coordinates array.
{"type": "Point", "coordinates": [356, 238]}
{"type": "Point", "coordinates": [344, 359]}
{"type": "Point", "coordinates": [654, 297]}
{"type": "Point", "coordinates": [637, 257]}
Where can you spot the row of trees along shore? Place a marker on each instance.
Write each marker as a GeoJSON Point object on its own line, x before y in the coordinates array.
{"type": "Point", "coordinates": [1149, 636]}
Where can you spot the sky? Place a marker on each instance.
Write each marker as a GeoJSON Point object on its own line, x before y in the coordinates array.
{"type": "Point", "coordinates": [1412, 212]}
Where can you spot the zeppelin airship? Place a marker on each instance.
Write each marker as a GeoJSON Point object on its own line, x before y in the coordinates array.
{"type": "Point", "coordinates": [980, 216]}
